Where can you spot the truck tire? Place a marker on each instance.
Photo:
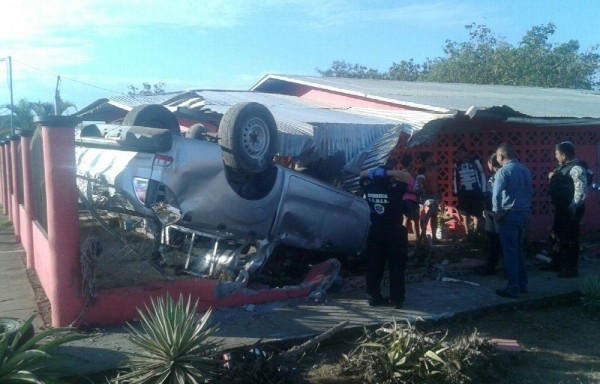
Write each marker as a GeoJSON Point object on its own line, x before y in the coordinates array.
{"type": "Point", "coordinates": [11, 327]}
{"type": "Point", "coordinates": [248, 137]}
{"type": "Point", "coordinates": [152, 116]}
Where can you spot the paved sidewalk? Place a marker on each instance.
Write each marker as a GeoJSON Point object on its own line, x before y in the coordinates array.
{"type": "Point", "coordinates": [17, 298]}
{"type": "Point", "coordinates": [300, 318]}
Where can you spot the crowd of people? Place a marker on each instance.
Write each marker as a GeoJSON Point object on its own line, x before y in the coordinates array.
{"type": "Point", "coordinates": [499, 205]}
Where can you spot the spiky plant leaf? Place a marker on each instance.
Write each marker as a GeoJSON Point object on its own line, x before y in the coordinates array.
{"type": "Point", "coordinates": [174, 346]}
{"type": "Point", "coordinates": [590, 293]}
{"type": "Point", "coordinates": [34, 360]}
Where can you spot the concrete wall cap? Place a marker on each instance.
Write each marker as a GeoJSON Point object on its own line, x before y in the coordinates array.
{"type": "Point", "coordinates": [26, 133]}
{"type": "Point", "coordinates": [57, 121]}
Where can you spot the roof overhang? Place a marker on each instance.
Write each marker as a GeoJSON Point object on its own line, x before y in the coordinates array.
{"type": "Point", "coordinates": [270, 81]}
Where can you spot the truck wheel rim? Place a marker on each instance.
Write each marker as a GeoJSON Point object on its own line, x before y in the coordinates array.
{"type": "Point", "coordinates": [255, 136]}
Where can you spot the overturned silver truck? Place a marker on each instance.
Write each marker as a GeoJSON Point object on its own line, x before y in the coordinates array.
{"type": "Point", "coordinates": [226, 199]}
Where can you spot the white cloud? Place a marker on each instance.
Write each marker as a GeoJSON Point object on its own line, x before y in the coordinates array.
{"type": "Point", "coordinates": [60, 33]}
{"type": "Point", "coordinates": [33, 19]}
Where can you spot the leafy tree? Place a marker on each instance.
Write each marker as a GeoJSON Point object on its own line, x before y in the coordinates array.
{"type": "Point", "coordinates": [480, 60]}
{"type": "Point", "coordinates": [406, 71]}
{"type": "Point", "coordinates": [147, 89]}
{"type": "Point", "coordinates": [487, 59]}
{"type": "Point", "coordinates": [343, 69]}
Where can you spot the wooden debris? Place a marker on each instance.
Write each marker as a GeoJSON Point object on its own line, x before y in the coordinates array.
{"type": "Point", "coordinates": [298, 350]}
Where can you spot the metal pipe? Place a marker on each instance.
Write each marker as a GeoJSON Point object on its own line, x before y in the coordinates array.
{"type": "Point", "coordinates": [10, 87]}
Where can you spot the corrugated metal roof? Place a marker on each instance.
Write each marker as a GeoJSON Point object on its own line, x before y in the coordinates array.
{"type": "Point", "coordinates": [307, 131]}
{"type": "Point", "coordinates": [372, 155]}
{"type": "Point", "coordinates": [128, 102]}
{"type": "Point", "coordinates": [532, 101]}
{"type": "Point", "coordinates": [305, 128]}
{"type": "Point", "coordinates": [283, 107]}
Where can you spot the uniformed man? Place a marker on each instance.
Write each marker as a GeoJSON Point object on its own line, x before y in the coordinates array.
{"type": "Point", "coordinates": [568, 190]}
{"type": "Point", "coordinates": [387, 240]}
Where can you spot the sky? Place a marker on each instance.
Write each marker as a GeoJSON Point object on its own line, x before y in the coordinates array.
{"type": "Point", "coordinates": [100, 48]}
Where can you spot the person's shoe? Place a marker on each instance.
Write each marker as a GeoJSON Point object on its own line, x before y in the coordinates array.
{"type": "Point", "coordinates": [379, 301]}
{"type": "Point", "coordinates": [567, 274]}
{"type": "Point", "coordinates": [505, 293]}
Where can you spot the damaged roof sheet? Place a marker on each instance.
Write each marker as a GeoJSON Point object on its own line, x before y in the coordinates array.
{"type": "Point", "coordinates": [305, 128]}
{"type": "Point", "coordinates": [532, 101]}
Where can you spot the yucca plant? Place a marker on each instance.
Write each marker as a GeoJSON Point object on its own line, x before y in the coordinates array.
{"type": "Point", "coordinates": [590, 293]}
{"type": "Point", "coordinates": [402, 354]}
{"type": "Point", "coordinates": [394, 353]}
{"type": "Point", "coordinates": [175, 345]}
{"type": "Point", "coordinates": [468, 359]}
{"type": "Point", "coordinates": [33, 360]}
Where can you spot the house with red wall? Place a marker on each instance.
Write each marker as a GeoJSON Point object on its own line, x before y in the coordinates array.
{"type": "Point", "coordinates": [478, 117]}
{"type": "Point", "coordinates": [364, 121]}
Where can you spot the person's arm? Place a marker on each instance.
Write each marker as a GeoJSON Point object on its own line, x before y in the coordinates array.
{"type": "Point", "coordinates": [497, 188]}
{"type": "Point", "coordinates": [400, 175]}
{"type": "Point", "coordinates": [374, 173]}
{"type": "Point", "coordinates": [455, 181]}
{"type": "Point", "coordinates": [579, 177]}
{"type": "Point", "coordinates": [481, 176]}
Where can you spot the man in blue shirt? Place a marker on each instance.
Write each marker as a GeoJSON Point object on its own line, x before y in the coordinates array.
{"type": "Point", "coordinates": [511, 204]}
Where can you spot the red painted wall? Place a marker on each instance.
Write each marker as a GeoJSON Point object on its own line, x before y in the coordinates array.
{"type": "Point", "coordinates": [535, 148]}
{"type": "Point", "coordinates": [330, 98]}
{"type": "Point", "coordinates": [534, 144]}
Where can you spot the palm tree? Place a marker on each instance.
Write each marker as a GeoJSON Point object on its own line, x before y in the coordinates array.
{"type": "Point", "coordinates": [22, 114]}
{"type": "Point", "coordinates": [25, 111]}
{"type": "Point", "coordinates": [43, 108]}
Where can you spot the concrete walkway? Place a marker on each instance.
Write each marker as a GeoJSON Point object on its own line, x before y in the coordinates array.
{"type": "Point", "coordinates": [17, 298]}
{"type": "Point", "coordinates": [106, 348]}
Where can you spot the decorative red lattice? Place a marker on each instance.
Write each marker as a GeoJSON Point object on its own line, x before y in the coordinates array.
{"type": "Point", "coordinates": [535, 148]}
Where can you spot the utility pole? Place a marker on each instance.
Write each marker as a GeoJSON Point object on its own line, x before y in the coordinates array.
{"type": "Point", "coordinates": [57, 100]}
{"type": "Point", "coordinates": [10, 86]}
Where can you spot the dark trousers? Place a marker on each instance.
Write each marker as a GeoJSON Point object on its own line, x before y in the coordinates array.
{"type": "Point", "coordinates": [512, 235]}
{"type": "Point", "coordinates": [386, 244]}
{"type": "Point", "coordinates": [566, 229]}
{"type": "Point", "coordinates": [494, 251]}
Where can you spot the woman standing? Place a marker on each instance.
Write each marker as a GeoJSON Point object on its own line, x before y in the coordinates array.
{"type": "Point", "coordinates": [491, 227]}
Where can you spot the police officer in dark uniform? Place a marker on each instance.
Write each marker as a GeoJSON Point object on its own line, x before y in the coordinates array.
{"type": "Point", "coordinates": [387, 240]}
{"type": "Point", "coordinates": [568, 190]}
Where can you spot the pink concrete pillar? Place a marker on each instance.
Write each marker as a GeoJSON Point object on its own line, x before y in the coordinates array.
{"type": "Point", "coordinates": [3, 185]}
{"type": "Point", "coordinates": [14, 150]}
{"type": "Point", "coordinates": [8, 178]}
{"type": "Point", "coordinates": [28, 207]}
{"type": "Point", "coordinates": [58, 137]}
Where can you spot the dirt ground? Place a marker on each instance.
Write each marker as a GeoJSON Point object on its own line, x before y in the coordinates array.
{"type": "Point", "coordinates": [559, 345]}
